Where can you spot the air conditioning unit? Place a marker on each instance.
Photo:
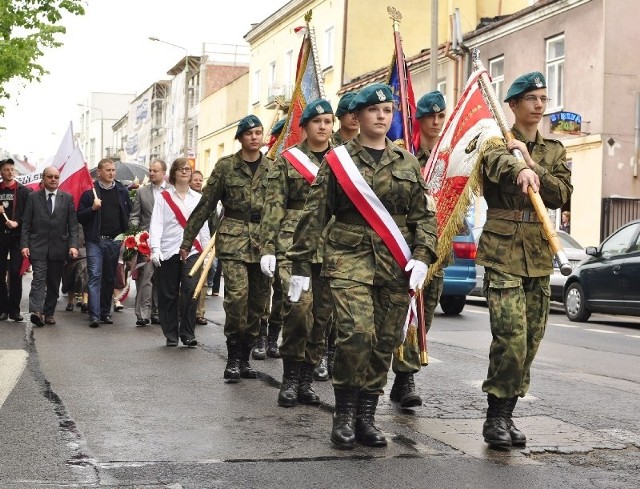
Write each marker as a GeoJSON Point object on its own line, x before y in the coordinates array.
{"type": "Point", "coordinates": [283, 90]}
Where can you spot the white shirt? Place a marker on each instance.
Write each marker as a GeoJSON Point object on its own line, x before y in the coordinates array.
{"type": "Point", "coordinates": [165, 233]}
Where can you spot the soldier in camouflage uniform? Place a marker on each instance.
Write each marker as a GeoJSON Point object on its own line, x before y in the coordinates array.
{"type": "Point", "coordinates": [430, 112]}
{"type": "Point", "coordinates": [239, 182]}
{"type": "Point", "coordinates": [516, 253]}
{"type": "Point", "coordinates": [368, 287]}
{"type": "Point", "coordinates": [304, 322]}
{"type": "Point", "coordinates": [349, 125]}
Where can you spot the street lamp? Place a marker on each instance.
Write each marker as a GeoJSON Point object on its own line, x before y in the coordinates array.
{"type": "Point", "coordinates": [101, 126]}
{"type": "Point", "coordinates": [186, 91]}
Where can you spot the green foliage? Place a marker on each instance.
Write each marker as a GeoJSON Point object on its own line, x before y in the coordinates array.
{"type": "Point", "coordinates": [26, 28]}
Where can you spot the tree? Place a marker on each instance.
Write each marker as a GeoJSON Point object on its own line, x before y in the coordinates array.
{"type": "Point", "coordinates": [27, 27]}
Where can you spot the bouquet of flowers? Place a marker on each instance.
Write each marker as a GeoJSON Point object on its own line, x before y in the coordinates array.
{"type": "Point", "coordinates": [135, 243]}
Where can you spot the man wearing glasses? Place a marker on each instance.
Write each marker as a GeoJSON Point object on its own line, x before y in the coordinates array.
{"type": "Point", "coordinates": [104, 214]}
{"type": "Point", "coordinates": [515, 253]}
{"type": "Point", "coordinates": [49, 237]}
{"type": "Point", "coordinates": [13, 198]}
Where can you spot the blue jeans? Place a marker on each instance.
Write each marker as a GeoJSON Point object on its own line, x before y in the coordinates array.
{"type": "Point", "coordinates": [102, 259]}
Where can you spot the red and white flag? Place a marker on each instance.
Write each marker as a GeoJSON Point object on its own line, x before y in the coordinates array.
{"type": "Point", "coordinates": [453, 171]}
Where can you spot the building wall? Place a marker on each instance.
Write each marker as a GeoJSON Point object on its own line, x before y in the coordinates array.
{"type": "Point", "coordinates": [220, 113]}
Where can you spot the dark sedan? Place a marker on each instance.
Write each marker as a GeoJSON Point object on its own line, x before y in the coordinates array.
{"type": "Point", "coordinates": [609, 280]}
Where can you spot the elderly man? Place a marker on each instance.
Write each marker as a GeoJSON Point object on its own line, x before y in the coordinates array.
{"type": "Point", "coordinates": [49, 237]}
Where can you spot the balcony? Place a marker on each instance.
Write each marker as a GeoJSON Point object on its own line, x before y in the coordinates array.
{"type": "Point", "coordinates": [279, 91]}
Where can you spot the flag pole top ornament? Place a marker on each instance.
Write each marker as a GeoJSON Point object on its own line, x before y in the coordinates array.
{"type": "Point", "coordinates": [307, 16]}
{"type": "Point", "coordinates": [396, 16]}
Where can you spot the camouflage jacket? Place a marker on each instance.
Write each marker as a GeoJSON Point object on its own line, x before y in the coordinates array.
{"type": "Point", "coordinates": [242, 195]}
{"type": "Point", "coordinates": [354, 251]}
{"type": "Point", "coordinates": [521, 248]}
{"type": "Point", "coordinates": [287, 191]}
{"type": "Point", "coordinates": [336, 139]}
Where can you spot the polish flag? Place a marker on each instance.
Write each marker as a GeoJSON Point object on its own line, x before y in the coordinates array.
{"type": "Point", "coordinates": [74, 175]}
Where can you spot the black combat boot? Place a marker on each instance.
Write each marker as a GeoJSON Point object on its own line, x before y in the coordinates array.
{"type": "Point", "coordinates": [321, 372]}
{"type": "Point", "coordinates": [342, 433]}
{"type": "Point", "coordinates": [404, 391]}
{"type": "Point", "coordinates": [232, 370]}
{"type": "Point", "coordinates": [246, 372]}
{"type": "Point", "coordinates": [495, 429]}
{"type": "Point", "coordinates": [259, 351]}
{"type": "Point", "coordinates": [518, 438]}
{"type": "Point", "coordinates": [288, 395]}
{"type": "Point", "coordinates": [366, 432]}
{"type": "Point", "coordinates": [306, 394]}
{"type": "Point", "coordinates": [272, 341]}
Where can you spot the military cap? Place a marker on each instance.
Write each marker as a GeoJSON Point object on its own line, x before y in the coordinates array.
{"type": "Point", "coordinates": [343, 103]}
{"type": "Point", "coordinates": [431, 103]}
{"type": "Point", "coordinates": [246, 124]}
{"type": "Point", "coordinates": [315, 108]}
{"type": "Point", "coordinates": [373, 94]}
{"type": "Point", "coordinates": [278, 126]}
{"type": "Point", "coordinates": [526, 83]}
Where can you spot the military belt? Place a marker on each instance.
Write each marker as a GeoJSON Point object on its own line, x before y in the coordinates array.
{"type": "Point", "coordinates": [295, 204]}
{"type": "Point", "coordinates": [357, 218]}
{"type": "Point", "coordinates": [243, 216]}
{"type": "Point", "coordinates": [513, 215]}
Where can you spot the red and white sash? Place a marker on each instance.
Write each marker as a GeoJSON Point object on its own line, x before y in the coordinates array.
{"type": "Point", "coordinates": [301, 162]}
{"type": "Point", "coordinates": [368, 204]}
{"type": "Point", "coordinates": [180, 217]}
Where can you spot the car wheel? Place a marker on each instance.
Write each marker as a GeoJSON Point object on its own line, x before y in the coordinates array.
{"type": "Point", "coordinates": [452, 305]}
{"type": "Point", "coordinates": [575, 303]}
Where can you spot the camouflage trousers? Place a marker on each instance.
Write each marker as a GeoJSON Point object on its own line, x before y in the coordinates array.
{"type": "Point", "coordinates": [518, 312]}
{"type": "Point", "coordinates": [368, 321]}
{"type": "Point", "coordinates": [246, 291]}
{"type": "Point", "coordinates": [410, 362]}
{"type": "Point", "coordinates": [305, 322]}
{"type": "Point", "coordinates": [273, 308]}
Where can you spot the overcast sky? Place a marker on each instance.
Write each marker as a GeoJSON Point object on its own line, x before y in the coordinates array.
{"type": "Point", "coordinates": [108, 50]}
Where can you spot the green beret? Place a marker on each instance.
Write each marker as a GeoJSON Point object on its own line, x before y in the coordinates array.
{"type": "Point", "coordinates": [373, 94]}
{"type": "Point", "coordinates": [278, 126]}
{"type": "Point", "coordinates": [431, 103]}
{"type": "Point", "coordinates": [315, 108]}
{"type": "Point", "coordinates": [526, 83]}
{"type": "Point", "coordinates": [343, 104]}
{"type": "Point", "coordinates": [246, 124]}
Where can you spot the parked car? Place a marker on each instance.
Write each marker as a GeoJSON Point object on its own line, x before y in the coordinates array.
{"type": "Point", "coordinates": [574, 251]}
{"type": "Point", "coordinates": [460, 276]}
{"type": "Point", "coordinates": [609, 280]}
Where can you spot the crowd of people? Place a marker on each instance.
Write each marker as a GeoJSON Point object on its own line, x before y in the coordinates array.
{"type": "Point", "coordinates": [325, 245]}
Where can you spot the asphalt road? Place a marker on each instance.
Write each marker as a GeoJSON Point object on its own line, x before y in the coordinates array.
{"type": "Point", "coordinates": [114, 407]}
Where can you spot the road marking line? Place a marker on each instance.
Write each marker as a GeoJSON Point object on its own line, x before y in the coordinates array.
{"type": "Point", "coordinates": [12, 363]}
{"type": "Point", "coordinates": [476, 312]}
{"type": "Point", "coordinates": [633, 335]}
{"type": "Point", "coordinates": [601, 331]}
{"type": "Point", "coordinates": [563, 325]}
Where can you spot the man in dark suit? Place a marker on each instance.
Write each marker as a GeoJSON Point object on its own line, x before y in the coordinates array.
{"type": "Point", "coordinates": [49, 237]}
{"type": "Point", "coordinates": [146, 306]}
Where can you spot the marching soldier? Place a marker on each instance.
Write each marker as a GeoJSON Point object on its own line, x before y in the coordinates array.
{"type": "Point", "coordinates": [239, 182]}
{"type": "Point", "coordinates": [366, 266]}
{"type": "Point", "coordinates": [516, 255]}
{"type": "Point", "coordinates": [349, 125]}
{"type": "Point", "coordinates": [430, 112]}
{"type": "Point", "coordinates": [305, 322]}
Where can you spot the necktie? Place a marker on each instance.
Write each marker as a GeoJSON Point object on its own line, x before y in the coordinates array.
{"type": "Point", "coordinates": [50, 203]}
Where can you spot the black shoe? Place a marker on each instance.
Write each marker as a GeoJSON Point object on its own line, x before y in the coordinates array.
{"type": "Point", "coordinates": [84, 307]}
{"type": "Point", "coordinates": [321, 372]}
{"type": "Point", "coordinates": [259, 351]}
{"type": "Point", "coordinates": [50, 320]}
{"type": "Point", "coordinates": [69, 308]}
{"type": "Point", "coordinates": [94, 323]}
{"type": "Point", "coordinates": [37, 321]}
{"type": "Point", "coordinates": [495, 429]}
{"type": "Point", "coordinates": [155, 319]}
{"type": "Point", "coordinates": [106, 320]}
{"type": "Point", "coordinates": [306, 394]}
{"type": "Point", "coordinates": [202, 321]}
{"type": "Point", "coordinates": [4, 316]}
{"type": "Point", "coordinates": [142, 322]}
{"type": "Point", "coordinates": [366, 431]}
{"type": "Point", "coordinates": [191, 343]}
{"type": "Point", "coordinates": [172, 343]}
{"type": "Point", "coordinates": [404, 391]}
{"type": "Point", "coordinates": [246, 371]}
{"type": "Point", "coordinates": [16, 317]}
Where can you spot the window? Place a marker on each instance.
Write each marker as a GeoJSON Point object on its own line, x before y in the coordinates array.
{"type": "Point", "coordinates": [328, 48]}
{"type": "Point", "coordinates": [255, 97]}
{"type": "Point", "coordinates": [272, 74]}
{"type": "Point", "coordinates": [496, 72]}
{"type": "Point", "coordinates": [620, 242]}
{"type": "Point", "coordinates": [288, 68]}
{"type": "Point", "coordinates": [555, 71]}
{"type": "Point", "coordinates": [441, 86]}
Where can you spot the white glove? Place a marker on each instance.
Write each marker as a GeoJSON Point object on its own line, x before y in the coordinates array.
{"type": "Point", "coordinates": [296, 286]}
{"type": "Point", "coordinates": [418, 273]}
{"type": "Point", "coordinates": [156, 258]}
{"type": "Point", "coordinates": [268, 264]}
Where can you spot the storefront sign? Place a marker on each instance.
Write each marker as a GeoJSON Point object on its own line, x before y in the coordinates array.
{"type": "Point", "coordinates": [566, 123]}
